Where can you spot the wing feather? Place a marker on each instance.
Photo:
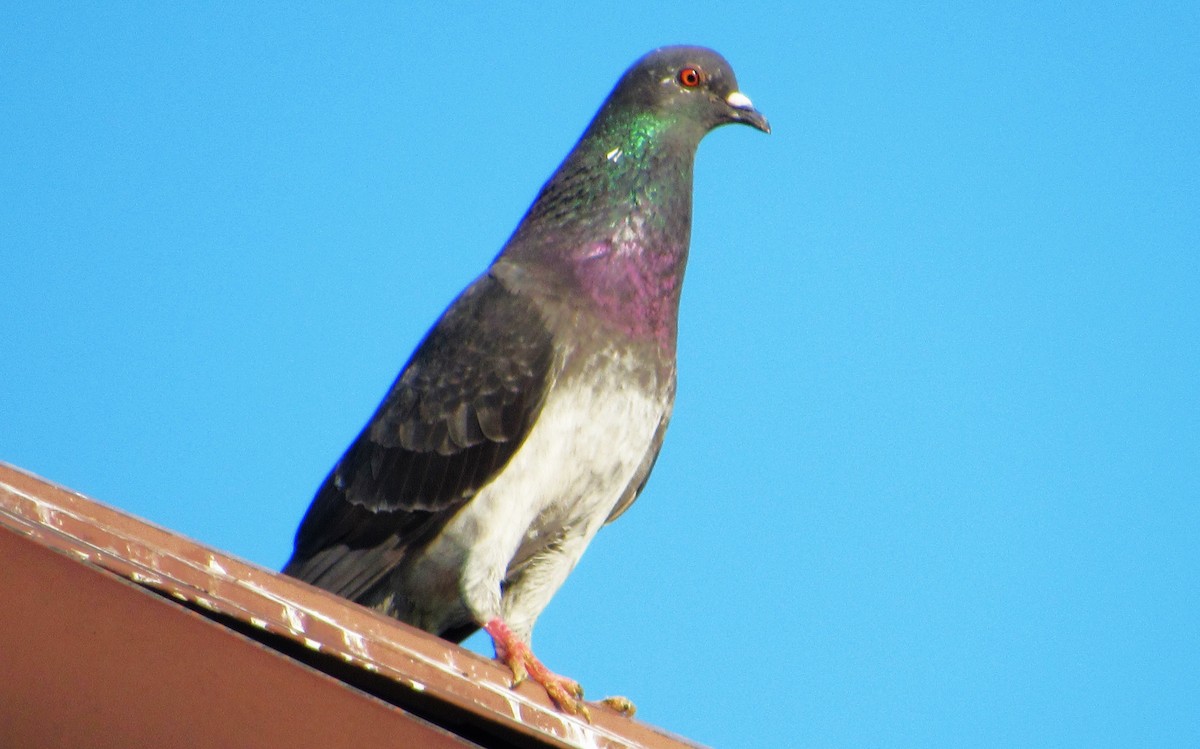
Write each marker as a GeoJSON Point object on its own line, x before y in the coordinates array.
{"type": "Point", "coordinates": [452, 419]}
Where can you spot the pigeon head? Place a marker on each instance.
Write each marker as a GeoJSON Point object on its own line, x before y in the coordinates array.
{"type": "Point", "coordinates": [637, 153]}
{"type": "Point", "coordinates": [688, 89]}
{"type": "Point", "coordinates": [614, 221]}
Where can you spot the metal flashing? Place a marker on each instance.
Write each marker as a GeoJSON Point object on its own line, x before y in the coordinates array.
{"type": "Point", "coordinates": [78, 611]}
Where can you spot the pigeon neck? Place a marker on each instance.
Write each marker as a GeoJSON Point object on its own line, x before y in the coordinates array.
{"type": "Point", "coordinates": [618, 214]}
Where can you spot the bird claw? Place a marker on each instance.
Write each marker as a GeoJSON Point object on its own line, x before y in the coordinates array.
{"type": "Point", "coordinates": [520, 673]}
{"type": "Point", "coordinates": [567, 694]}
{"type": "Point", "coordinates": [621, 705]}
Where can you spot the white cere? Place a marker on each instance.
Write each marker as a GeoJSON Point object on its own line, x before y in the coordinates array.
{"type": "Point", "coordinates": [738, 100]}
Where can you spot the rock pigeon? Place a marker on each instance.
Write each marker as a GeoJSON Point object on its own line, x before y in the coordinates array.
{"type": "Point", "coordinates": [534, 409]}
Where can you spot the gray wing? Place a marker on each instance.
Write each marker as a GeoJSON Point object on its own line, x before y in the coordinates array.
{"type": "Point", "coordinates": [453, 418]}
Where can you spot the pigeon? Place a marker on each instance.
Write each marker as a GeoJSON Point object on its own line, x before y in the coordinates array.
{"type": "Point", "coordinates": [533, 411]}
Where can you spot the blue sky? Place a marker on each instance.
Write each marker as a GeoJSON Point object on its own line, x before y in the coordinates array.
{"type": "Point", "coordinates": [933, 474]}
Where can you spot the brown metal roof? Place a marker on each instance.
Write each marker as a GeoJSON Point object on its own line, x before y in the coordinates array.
{"type": "Point", "coordinates": [115, 632]}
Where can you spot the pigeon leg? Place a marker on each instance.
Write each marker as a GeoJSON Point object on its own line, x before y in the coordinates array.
{"type": "Point", "coordinates": [516, 654]}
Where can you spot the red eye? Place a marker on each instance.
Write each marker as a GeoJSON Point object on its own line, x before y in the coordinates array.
{"type": "Point", "coordinates": [690, 77]}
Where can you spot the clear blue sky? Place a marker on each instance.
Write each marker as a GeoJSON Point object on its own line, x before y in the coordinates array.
{"type": "Point", "coordinates": [934, 473]}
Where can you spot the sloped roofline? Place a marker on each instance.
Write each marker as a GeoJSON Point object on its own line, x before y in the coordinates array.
{"type": "Point", "coordinates": [208, 603]}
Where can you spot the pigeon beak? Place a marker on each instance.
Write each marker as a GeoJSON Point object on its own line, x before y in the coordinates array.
{"type": "Point", "coordinates": [744, 111]}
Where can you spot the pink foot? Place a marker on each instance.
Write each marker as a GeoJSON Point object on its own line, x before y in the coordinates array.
{"type": "Point", "coordinates": [515, 653]}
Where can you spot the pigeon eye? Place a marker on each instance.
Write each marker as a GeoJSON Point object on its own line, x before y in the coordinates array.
{"type": "Point", "coordinates": [690, 77]}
